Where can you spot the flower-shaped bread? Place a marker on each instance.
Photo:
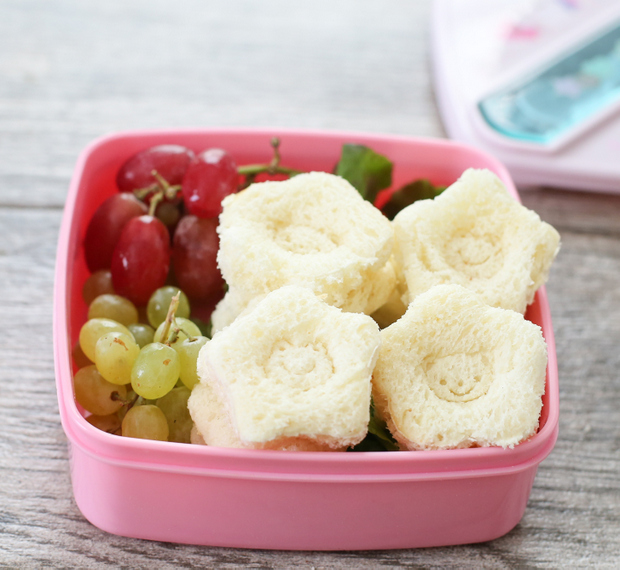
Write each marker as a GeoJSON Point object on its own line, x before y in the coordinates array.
{"type": "Point", "coordinates": [476, 235]}
{"type": "Point", "coordinates": [313, 230]}
{"type": "Point", "coordinates": [372, 294]}
{"type": "Point", "coordinates": [212, 426]}
{"type": "Point", "coordinates": [234, 303]}
{"type": "Point", "coordinates": [454, 372]}
{"type": "Point", "coordinates": [293, 368]}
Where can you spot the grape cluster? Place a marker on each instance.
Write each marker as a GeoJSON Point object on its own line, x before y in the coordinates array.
{"type": "Point", "coordinates": [125, 365]}
{"type": "Point", "coordinates": [162, 223]}
{"type": "Point", "coordinates": [151, 249]}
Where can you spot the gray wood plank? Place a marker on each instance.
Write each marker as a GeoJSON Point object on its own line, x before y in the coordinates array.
{"type": "Point", "coordinates": [72, 71]}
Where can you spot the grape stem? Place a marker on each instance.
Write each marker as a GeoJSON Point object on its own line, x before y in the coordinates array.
{"type": "Point", "coordinates": [139, 401]}
{"type": "Point", "coordinates": [174, 335]}
{"type": "Point", "coordinates": [116, 397]}
{"type": "Point", "coordinates": [131, 403]}
{"type": "Point", "coordinates": [155, 201]}
{"type": "Point", "coordinates": [158, 191]}
{"type": "Point", "coordinates": [169, 191]}
{"type": "Point", "coordinates": [142, 193]}
{"type": "Point", "coordinates": [172, 309]}
{"type": "Point", "coordinates": [250, 171]}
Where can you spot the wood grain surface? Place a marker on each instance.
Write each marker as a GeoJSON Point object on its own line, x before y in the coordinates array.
{"type": "Point", "coordinates": [72, 71]}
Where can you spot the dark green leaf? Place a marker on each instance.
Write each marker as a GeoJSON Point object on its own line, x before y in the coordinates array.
{"type": "Point", "coordinates": [366, 170]}
{"type": "Point", "coordinates": [378, 429]}
{"type": "Point", "coordinates": [205, 327]}
{"type": "Point", "coordinates": [370, 443]}
{"type": "Point", "coordinates": [421, 189]}
{"type": "Point", "coordinates": [378, 438]}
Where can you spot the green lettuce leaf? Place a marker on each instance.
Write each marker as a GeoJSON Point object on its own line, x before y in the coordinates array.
{"type": "Point", "coordinates": [367, 171]}
{"type": "Point", "coordinates": [421, 189]}
{"type": "Point", "coordinates": [378, 438]}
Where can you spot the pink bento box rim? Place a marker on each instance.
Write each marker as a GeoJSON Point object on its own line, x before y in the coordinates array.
{"type": "Point", "coordinates": [199, 459]}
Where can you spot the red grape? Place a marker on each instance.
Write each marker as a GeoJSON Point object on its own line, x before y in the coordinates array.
{"type": "Point", "coordinates": [208, 180]}
{"type": "Point", "coordinates": [106, 226]}
{"type": "Point", "coordinates": [169, 160]}
{"type": "Point", "coordinates": [141, 259]}
{"type": "Point", "coordinates": [169, 214]}
{"type": "Point", "coordinates": [194, 257]}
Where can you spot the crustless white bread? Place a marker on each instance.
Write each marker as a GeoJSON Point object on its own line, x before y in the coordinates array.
{"type": "Point", "coordinates": [476, 235]}
{"type": "Point", "coordinates": [292, 372]}
{"type": "Point", "coordinates": [454, 372]}
{"type": "Point", "coordinates": [313, 230]}
{"type": "Point", "coordinates": [289, 369]}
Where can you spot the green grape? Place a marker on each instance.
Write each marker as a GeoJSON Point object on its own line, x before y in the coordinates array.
{"type": "Point", "coordinates": [188, 350]}
{"type": "Point", "coordinates": [130, 398]}
{"type": "Point", "coordinates": [145, 422]}
{"type": "Point", "coordinates": [115, 354]}
{"type": "Point", "coordinates": [99, 283]}
{"type": "Point", "coordinates": [110, 423]}
{"type": "Point", "coordinates": [187, 326]}
{"type": "Point", "coordinates": [93, 330]}
{"type": "Point", "coordinates": [95, 394]}
{"type": "Point", "coordinates": [155, 371]}
{"type": "Point", "coordinates": [142, 333]}
{"type": "Point", "coordinates": [113, 307]}
{"type": "Point", "coordinates": [79, 358]}
{"type": "Point", "coordinates": [157, 307]}
{"type": "Point", "coordinates": [174, 406]}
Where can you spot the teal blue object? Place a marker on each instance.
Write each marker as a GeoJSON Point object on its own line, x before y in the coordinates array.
{"type": "Point", "coordinates": [547, 106]}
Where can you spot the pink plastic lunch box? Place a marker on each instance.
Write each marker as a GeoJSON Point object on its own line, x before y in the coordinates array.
{"type": "Point", "coordinates": [276, 499]}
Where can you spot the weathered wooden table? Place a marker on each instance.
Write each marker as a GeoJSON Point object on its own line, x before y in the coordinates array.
{"type": "Point", "coordinates": [71, 71]}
